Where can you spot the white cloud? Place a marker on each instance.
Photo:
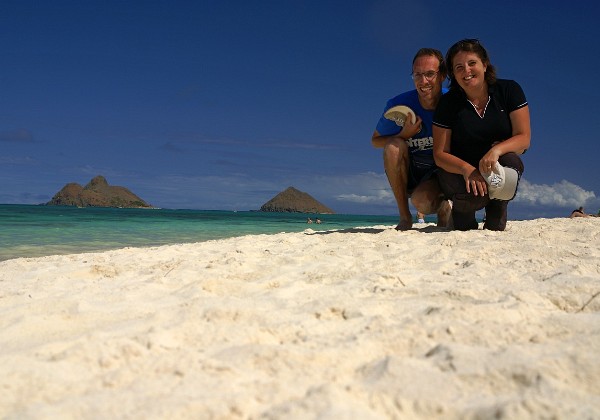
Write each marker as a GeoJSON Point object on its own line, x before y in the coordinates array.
{"type": "Point", "coordinates": [382, 196]}
{"type": "Point", "coordinates": [355, 198]}
{"type": "Point", "coordinates": [373, 188]}
{"type": "Point", "coordinates": [561, 194]}
{"type": "Point", "coordinates": [363, 188]}
{"type": "Point", "coordinates": [373, 191]}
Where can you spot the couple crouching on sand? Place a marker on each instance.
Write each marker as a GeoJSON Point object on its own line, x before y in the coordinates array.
{"type": "Point", "coordinates": [455, 151]}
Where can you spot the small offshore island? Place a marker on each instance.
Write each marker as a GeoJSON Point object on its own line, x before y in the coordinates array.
{"type": "Point", "coordinates": [97, 193]}
{"type": "Point", "coordinates": [295, 201]}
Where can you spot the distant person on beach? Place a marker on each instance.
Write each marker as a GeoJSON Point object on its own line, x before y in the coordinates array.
{"type": "Point", "coordinates": [408, 148]}
{"type": "Point", "coordinates": [480, 123]}
{"type": "Point", "coordinates": [420, 217]}
{"type": "Point", "coordinates": [579, 213]}
{"type": "Point", "coordinates": [309, 220]}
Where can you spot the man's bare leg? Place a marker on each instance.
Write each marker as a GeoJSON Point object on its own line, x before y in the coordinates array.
{"type": "Point", "coordinates": [444, 214]}
{"type": "Point", "coordinates": [395, 162]}
{"type": "Point", "coordinates": [429, 199]}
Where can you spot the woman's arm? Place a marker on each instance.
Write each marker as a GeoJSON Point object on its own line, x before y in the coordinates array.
{"type": "Point", "coordinates": [450, 163]}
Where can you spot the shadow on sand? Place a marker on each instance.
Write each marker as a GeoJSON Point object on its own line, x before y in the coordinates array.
{"type": "Point", "coordinates": [426, 229]}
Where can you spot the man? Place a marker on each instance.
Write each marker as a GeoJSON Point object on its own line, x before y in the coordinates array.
{"type": "Point", "coordinates": [408, 149]}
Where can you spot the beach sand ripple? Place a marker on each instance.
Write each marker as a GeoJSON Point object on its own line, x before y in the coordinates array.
{"type": "Point", "coordinates": [366, 323]}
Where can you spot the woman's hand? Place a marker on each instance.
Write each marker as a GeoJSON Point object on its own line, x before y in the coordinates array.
{"type": "Point", "coordinates": [475, 182]}
{"type": "Point", "coordinates": [488, 161]}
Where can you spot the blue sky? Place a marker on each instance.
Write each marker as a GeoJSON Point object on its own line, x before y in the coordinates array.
{"type": "Point", "coordinates": [223, 104]}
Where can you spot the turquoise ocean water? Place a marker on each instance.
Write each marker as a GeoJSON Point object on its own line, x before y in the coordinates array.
{"type": "Point", "coordinates": [33, 231]}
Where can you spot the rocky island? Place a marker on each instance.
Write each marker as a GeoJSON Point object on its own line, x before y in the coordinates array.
{"type": "Point", "coordinates": [295, 201]}
{"type": "Point", "coordinates": [97, 193]}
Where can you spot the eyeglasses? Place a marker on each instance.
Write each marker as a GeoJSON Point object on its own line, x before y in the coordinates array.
{"type": "Point", "coordinates": [429, 75]}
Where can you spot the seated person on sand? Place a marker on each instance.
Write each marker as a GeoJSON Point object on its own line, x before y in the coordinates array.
{"type": "Point", "coordinates": [407, 141]}
{"type": "Point", "coordinates": [578, 213]}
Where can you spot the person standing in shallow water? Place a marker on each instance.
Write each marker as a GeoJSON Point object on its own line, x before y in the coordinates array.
{"type": "Point", "coordinates": [481, 121]}
{"type": "Point", "coordinates": [408, 149]}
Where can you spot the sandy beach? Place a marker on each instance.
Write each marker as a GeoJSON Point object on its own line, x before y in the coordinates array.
{"type": "Point", "coordinates": [367, 323]}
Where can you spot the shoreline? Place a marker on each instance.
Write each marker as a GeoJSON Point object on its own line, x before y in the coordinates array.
{"type": "Point", "coordinates": [30, 231]}
{"type": "Point", "coordinates": [357, 323]}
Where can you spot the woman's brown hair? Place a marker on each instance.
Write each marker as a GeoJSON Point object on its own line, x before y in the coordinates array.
{"type": "Point", "coordinates": [474, 46]}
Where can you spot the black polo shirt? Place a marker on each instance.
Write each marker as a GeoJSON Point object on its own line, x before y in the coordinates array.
{"type": "Point", "coordinates": [472, 135]}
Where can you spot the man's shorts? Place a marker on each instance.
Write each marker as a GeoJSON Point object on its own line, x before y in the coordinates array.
{"type": "Point", "coordinates": [418, 171]}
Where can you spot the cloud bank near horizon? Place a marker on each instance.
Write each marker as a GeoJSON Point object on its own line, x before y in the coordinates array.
{"type": "Point", "coordinates": [560, 194]}
{"type": "Point", "coordinates": [366, 193]}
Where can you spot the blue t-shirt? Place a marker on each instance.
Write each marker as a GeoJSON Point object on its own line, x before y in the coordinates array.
{"type": "Point", "coordinates": [421, 145]}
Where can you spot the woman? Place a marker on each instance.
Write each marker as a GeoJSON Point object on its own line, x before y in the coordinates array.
{"type": "Point", "coordinates": [481, 121]}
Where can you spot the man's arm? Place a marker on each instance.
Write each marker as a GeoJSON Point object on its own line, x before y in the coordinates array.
{"type": "Point", "coordinates": [378, 141]}
{"type": "Point", "coordinates": [408, 130]}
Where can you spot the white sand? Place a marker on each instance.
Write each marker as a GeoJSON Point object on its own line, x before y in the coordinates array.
{"type": "Point", "coordinates": [364, 324]}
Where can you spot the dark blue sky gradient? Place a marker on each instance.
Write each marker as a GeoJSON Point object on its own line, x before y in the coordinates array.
{"type": "Point", "coordinates": [223, 104]}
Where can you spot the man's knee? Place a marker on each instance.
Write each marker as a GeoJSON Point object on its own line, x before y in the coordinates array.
{"type": "Point", "coordinates": [426, 206]}
{"type": "Point", "coordinates": [427, 197]}
{"type": "Point", "coordinates": [395, 149]}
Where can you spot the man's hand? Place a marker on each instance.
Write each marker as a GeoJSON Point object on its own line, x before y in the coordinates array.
{"type": "Point", "coordinates": [409, 129]}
